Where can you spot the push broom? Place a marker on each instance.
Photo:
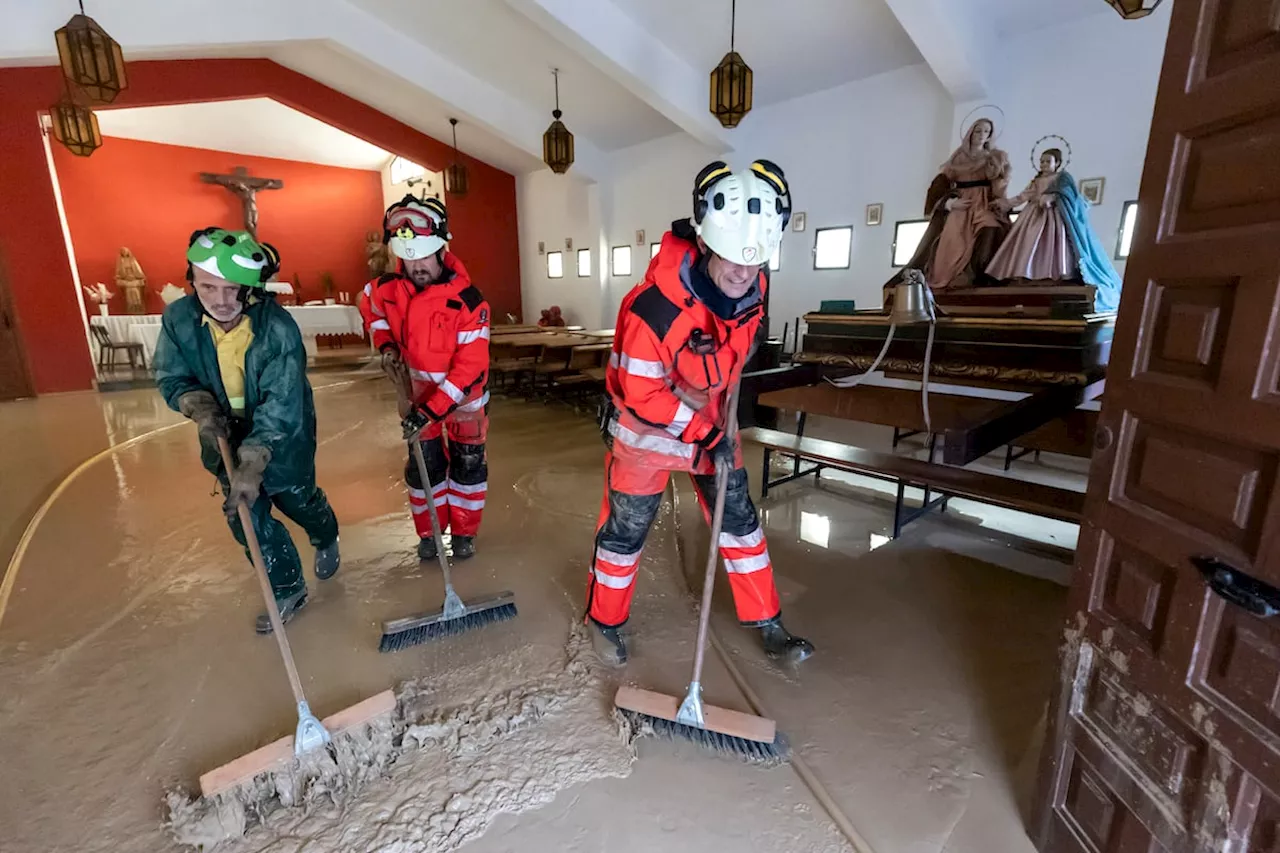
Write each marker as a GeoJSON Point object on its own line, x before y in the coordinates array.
{"type": "Point", "coordinates": [311, 734]}
{"type": "Point", "coordinates": [456, 616]}
{"type": "Point", "coordinates": [720, 729]}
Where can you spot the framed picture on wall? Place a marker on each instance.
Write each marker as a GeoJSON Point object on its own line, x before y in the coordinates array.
{"type": "Point", "coordinates": [798, 221]}
{"type": "Point", "coordinates": [1091, 189]}
{"type": "Point", "coordinates": [568, 244]}
{"type": "Point", "coordinates": [640, 237]}
{"type": "Point", "coordinates": [542, 247]}
{"type": "Point", "coordinates": [875, 213]}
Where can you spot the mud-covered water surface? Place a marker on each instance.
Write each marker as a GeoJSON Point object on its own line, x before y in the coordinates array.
{"type": "Point", "coordinates": [129, 667]}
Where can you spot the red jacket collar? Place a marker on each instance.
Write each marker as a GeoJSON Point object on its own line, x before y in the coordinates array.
{"type": "Point", "coordinates": [458, 278]}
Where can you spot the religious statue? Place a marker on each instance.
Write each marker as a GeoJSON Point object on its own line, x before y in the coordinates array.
{"type": "Point", "coordinates": [246, 189]}
{"type": "Point", "coordinates": [131, 281]}
{"type": "Point", "coordinates": [1052, 242]}
{"type": "Point", "coordinates": [377, 255]}
{"type": "Point", "coordinates": [965, 228]}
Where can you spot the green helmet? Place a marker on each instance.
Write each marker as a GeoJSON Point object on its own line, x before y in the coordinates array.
{"type": "Point", "coordinates": [231, 255]}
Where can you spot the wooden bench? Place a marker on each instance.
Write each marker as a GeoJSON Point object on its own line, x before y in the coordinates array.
{"type": "Point", "coordinates": [946, 480]}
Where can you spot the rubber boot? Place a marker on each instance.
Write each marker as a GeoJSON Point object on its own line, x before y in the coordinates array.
{"type": "Point", "coordinates": [464, 547]}
{"type": "Point", "coordinates": [328, 560]}
{"type": "Point", "coordinates": [288, 607]}
{"type": "Point", "coordinates": [427, 548]}
{"type": "Point", "coordinates": [779, 643]}
{"type": "Point", "coordinates": [607, 644]}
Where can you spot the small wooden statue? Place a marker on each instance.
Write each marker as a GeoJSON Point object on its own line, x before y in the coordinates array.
{"type": "Point", "coordinates": [131, 281]}
{"type": "Point", "coordinates": [377, 255]}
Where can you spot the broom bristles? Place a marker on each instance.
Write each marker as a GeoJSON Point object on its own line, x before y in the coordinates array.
{"type": "Point", "coordinates": [394, 639]}
{"type": "Point", "coordinates": [768, 754]}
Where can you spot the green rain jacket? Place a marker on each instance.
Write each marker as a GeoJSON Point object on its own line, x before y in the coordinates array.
{"type": "Point", "coordinates": [279, 411]}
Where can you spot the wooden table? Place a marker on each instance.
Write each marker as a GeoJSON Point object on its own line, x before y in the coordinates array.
{"type": "Point", "coordinates": [993, 381]}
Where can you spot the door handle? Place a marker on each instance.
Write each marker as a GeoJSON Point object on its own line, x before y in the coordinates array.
{"type": "Point", "coordinates": [1260, 599]}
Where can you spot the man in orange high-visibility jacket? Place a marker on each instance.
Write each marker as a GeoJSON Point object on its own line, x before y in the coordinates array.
{"type": "Point", "coordinates": [683, 336]}
{"type": "Point", "coordinates": [428, 319]}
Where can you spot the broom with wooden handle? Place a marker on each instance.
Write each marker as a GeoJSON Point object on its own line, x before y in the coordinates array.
{"type": "Point", "coordinates": [455, 616]}
{"type": "Point", "coordinates": [311, 734]}
{"type": "Point", "coordinates": [730, 732]}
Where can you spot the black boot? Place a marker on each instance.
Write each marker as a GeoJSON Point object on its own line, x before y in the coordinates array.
{"type": "Point", "coordinates": [607, 644]}
{"type": "Point", "coordinates": [327, 560]}
{"type": "Point", "coordinates": [779, 643]}
{"type": "Point", "coordinates": [288, 607]}
{"type": "Point", "coordinates": [427, 548]}
{"type": "Point", "coordinates": [464, 547]}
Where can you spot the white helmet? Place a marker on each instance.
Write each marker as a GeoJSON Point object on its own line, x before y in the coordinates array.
{"type": "Point", "coordinates": [416, 228]}
{"type": "Point", "coordinates": [741, 215]}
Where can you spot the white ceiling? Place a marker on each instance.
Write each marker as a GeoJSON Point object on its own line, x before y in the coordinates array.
{"type": "Point", "coordinates": [1011, 17]}
{"type": "Point", "coordinates": [794, 48]}
{"type": "Point", "coordinates": [500, 46]}
{"type": "Point", "coordinates": [256, 126]}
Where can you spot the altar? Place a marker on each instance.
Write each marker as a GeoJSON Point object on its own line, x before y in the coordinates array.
{"type": "Point", "coordinates": [312, 320]}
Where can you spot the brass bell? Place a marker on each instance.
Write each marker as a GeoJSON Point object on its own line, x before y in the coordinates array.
{"type": "Point", "coordinates": [912, 301]}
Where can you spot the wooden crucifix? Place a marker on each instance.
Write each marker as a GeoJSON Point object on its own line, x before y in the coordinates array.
{"type": "Point", "coordinates": [246, 188]}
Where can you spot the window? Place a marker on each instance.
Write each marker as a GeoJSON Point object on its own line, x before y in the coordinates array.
{"type": "Point", "coordinates": [584, 263]}
{"type": "Point", "coordinates": [402, 170]}
{"type": "Point", "coordinates": [653, 249]}
{"type": "Point", "coordinates": [776, 261]}
{"type": "Point", "coordinates": [555, 265]}
{"type": "Point", "coordinates": [1128, 221]}
{"type": "Point", "coordinates": [1013, 216]}
{"type": "Point", "coordinates": [622, 260]}
{"type": "Point", "coordinates": [831, 248]}
{"type": "Point", "coordinates": [906, 239]}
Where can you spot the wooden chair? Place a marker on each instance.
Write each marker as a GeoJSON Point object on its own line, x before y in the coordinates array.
{"type": "Point", "coordinates": [107, 350]}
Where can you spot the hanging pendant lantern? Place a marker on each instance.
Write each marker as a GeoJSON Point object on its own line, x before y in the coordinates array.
{"type": "Point", "coordinates": [91, 60]}
{"type": "Point", "coordinates": [455, 176]}
{"type": "Point", "coordinates": [1131, 10]}
{"type": "Point", "coordinates": [75, 126]}
{"type": "Point", "coordinates": [731, 81]}
{"type": "Point", "coordinates": [557, 142]}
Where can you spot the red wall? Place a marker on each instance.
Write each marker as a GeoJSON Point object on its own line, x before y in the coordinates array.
{"type": "Point", "coordinates": [32, 248]}
{"type": "Point", "coordinates": [317, 221]}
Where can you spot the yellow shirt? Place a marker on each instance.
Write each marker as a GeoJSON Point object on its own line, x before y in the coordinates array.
{"type": "Point", "coordinates": [231, 348]}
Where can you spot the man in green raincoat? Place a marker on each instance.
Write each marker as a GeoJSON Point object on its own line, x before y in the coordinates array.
{"type": "Point", "coordinates": [232, 360]}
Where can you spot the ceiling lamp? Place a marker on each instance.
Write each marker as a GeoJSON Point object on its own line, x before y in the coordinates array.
{"type": "Point", "coordinates": [75, 126]}
{"type": "Point", "coordinates": [1133, 9]}
{"type": "Point", "coordinates": [557, 142]}
{"type": "Point", "coordinates": [455, 176]}
{"type": "Point", "coordinates": [731, 81]}
{"type": "Point", "coordinates": [91, 60]}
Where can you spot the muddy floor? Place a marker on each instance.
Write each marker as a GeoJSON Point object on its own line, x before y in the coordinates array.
{"type": "Point", "coordinates": [129, 665]}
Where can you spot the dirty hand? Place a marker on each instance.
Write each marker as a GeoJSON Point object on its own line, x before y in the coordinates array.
{"type": "Point", "coordinates": [725, 450]}
{"type": "Point", "coordinates": [392, 361]}
{"type": "Point", "coordinates": [957, 204]}
{"type": "Point", "coordinates": [203, 408]}
{"type": "Point", "coordinates": [246, 479]}
{"type": "Point", "coordinates": [415, 422]}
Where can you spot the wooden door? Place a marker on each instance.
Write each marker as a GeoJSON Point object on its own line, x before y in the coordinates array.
{"type": "Point", "coordinates": [1165, 734]}
{"type": "Point", "coordinates": [14, 381]}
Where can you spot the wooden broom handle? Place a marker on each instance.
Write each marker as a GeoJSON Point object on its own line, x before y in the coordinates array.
{"type": "Point", "coordinates": [717, 521]}
{"type": "Point", "coordinates": [264, 581]}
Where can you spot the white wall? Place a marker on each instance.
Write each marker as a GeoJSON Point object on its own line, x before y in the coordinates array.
{"type": "Point", "coordinates": [875, 140]}
{"type": "Point", "coordinates": [391, 193]}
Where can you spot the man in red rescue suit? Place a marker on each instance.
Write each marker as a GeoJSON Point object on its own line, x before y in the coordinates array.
{"type": "Point", "coordinates": [428, 320]}
{"type": "Point", "coordinates": [683, 336]}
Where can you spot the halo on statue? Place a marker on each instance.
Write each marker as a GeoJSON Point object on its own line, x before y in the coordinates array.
{"type": "Point", "coordinates": [987, 111]}
{"type": "Point", "coordinates": [1040, 147]}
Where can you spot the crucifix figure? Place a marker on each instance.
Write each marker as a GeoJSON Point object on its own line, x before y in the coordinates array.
{"type": "Point", "coordinates": [246, 188]}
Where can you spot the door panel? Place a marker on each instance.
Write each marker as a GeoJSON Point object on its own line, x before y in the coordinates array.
{"type": "Point", "coordinates": [14, 380]}
{"type": "Point", "coordinates": [1166, 726]}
